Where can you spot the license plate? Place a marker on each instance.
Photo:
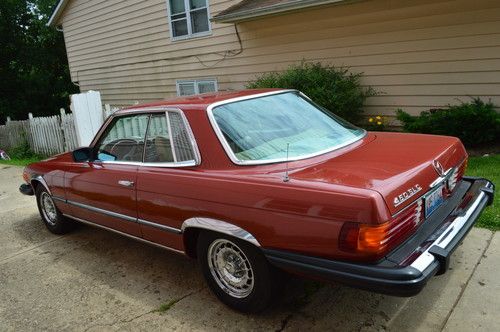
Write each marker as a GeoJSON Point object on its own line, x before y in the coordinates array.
{"type": "Point", "coordinates": [433, 200]}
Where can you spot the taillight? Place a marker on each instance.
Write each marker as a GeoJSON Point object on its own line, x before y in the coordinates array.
{"type": "Point", "coordinates": [457, 175]}
{"type": "Point", "coordinates": [379, 239]}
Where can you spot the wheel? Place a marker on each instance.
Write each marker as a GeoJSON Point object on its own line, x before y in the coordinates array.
{"type": "Point", "coordinates": [237, 272]}
{"type": "Point", "coordinates": [51, 216]}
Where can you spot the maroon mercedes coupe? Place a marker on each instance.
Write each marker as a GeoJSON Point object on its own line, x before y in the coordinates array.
{"type": "Point", "coordinates": [256, 182]}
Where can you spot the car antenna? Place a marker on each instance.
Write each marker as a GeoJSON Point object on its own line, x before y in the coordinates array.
{"type": "Point", "coordinates": [286, 178]}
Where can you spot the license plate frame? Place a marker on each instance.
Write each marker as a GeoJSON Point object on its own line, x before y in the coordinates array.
{"type": "Point", "coordinates": [434, 199]}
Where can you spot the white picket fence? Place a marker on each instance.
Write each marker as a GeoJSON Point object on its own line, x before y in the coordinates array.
{"type": "Point", "coordinates": [45, 135]}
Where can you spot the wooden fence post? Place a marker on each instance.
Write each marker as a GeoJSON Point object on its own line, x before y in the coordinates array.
{"type": "Point", "coordinates": [57, 134]}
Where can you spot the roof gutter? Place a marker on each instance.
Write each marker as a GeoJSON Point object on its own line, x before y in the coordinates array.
{"type": "Point", "coordinates": [271, 10]}
{"type": "Point", "coordinates": [57, 12]}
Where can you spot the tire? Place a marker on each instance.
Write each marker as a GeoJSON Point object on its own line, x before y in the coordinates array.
{"type": "Point", "coordinates": [249, 291]}
{"type": "Point", "coordinates": [51, 216]}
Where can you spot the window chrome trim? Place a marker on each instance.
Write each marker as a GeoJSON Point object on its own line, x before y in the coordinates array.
{"type": "Point", "coordinates": [150, 111]}
{"type": "Point", "coordinates": [232, 155]}
{"type": "Point", "coordinates": [84, 221]}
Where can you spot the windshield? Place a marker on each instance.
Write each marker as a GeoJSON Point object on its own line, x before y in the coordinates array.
{"type": "Point", "coordinates": [258, 130]}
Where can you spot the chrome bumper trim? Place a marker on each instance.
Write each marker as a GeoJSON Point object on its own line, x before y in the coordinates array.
{"type": "Point", "coordinates": [427, 258]}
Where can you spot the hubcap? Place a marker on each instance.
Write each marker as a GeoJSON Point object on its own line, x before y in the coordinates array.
{"type": "Point", "coordinates": [48, 208]}
{"type": "Point", "coordinates": [230, 268]}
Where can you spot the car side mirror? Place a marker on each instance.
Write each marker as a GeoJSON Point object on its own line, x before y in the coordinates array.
{"type": "Point", "coordinates": [82, 154]}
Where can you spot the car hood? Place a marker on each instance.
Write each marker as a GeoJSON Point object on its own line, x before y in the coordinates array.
{"type": "Point", "coordinates": [391, 164]}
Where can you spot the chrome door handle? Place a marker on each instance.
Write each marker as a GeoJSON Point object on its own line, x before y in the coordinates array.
{"type": "Point", "coordinates": [126, 183]}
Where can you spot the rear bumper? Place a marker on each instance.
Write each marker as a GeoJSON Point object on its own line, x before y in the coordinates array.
{"type": "Point", "coordinates": [389, 276]}
{"type": "Point", "coordinates": [26, 189]}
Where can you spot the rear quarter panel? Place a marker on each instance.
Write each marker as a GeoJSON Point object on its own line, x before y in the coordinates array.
{"type": "Point", "coordinates": [291, 216]}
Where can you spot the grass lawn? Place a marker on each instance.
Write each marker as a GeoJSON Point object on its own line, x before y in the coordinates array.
{"type": "Point", "coordinates": [489, 168]}
{"type": "Point", "coordinates": [20, 162]}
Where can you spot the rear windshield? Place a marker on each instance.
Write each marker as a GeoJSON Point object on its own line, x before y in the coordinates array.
{"type": "Point", "coordinates": [262, 129]}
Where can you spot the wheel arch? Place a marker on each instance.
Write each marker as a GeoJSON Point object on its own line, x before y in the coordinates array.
{"type": "Point", "coordinates": [38, 180]}
{"type": "Point", "coordinates": [192, 227]}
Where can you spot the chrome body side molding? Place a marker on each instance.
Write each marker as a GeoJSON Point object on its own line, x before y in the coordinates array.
{"type": "Point", "coordinates": [120, 216]}
{"type": "Point", "coordinates": [221, 227]}
{"type": "Point", "coordinates": [159, 226]}
{"type": "Point", "coordinates": [59, 199]}
{"type": "Point", "coordinates": [203, 223]}
{"type": "Point", "coordinates": [124, 234]}
{"type": "Point", "coordinates": [102, 211]}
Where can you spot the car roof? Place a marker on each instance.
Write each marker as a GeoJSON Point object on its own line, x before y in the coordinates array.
{"type": "Point", "coordinates": [200, 102]}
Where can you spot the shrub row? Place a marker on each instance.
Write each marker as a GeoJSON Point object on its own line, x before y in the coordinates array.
{"type": "Point", "coordinates": [336, 89]}
{"type": "Point", "coordinates": [475, 122]}
{"type": "Point", "coordinates": [340, 91]}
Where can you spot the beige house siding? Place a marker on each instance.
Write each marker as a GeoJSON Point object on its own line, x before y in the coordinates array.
{"type": "Point", "coordinates": [420, 54]}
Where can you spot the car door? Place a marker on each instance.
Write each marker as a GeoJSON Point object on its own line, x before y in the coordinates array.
{"type": "Point", "coordinates": [170, 158]}
{"type": "Point", "coordinates": [103, 191]}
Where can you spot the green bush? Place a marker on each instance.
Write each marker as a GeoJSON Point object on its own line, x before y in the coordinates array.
{"type": "Point", "coordinates": [336, 89]}
{"type": "Point", "coordinates": [22, 151]}
{"type": "Point", "coordinates": [475, 122]}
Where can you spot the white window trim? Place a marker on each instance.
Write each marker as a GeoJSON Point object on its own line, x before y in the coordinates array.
{"type": "Point", "coordinates": [196, 85]}
{"type": "Point", "coordinates": [188, 18]}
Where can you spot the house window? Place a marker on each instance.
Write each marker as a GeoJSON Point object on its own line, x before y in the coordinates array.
{"type": "Point", "coordinates": [188, 18]}
{"type": "Point", "coordinates": [194, 87]}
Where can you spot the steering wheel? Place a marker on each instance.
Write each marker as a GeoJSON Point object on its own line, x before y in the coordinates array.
{"type": "Point", "coordinates": [122, 148]}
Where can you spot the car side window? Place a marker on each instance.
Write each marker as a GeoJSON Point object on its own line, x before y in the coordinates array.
{"type": "Point", "coordinates": [124, 139]}
{"type": "Point", "coordinates": [168, 140]}
{"type": "Point", "coordinates": [158, 144]}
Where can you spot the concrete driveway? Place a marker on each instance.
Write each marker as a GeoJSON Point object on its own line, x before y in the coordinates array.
{"type": "Point", "coordinates": [93, 280]}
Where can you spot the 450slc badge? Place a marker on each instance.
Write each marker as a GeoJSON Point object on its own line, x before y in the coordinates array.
{"type": "Point", "coordinates": [400, 199]}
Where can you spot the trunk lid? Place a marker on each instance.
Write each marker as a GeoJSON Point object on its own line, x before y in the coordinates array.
{"type": "Point", "coordinates": [391, 164]}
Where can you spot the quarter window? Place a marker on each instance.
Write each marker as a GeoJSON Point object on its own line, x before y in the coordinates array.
{"type": "Point", "coordinates": [168, 140]}
{"type": "Point", "coordinates": [158, 144]}
{"type": "Point", "coordinates": [188, 18]}
{"type": "Point", "coordinates": [194, 87]}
